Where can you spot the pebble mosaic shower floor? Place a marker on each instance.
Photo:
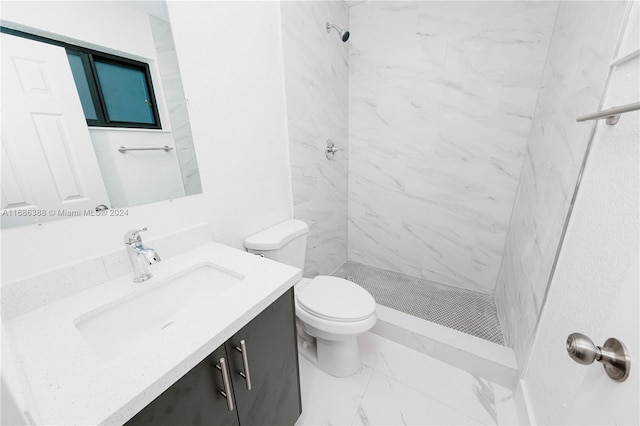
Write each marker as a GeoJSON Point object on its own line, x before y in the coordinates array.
{"type": "Point", "coordinates": [463, 310]}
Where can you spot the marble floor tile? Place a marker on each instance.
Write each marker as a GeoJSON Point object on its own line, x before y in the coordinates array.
{"type": "Point", "coordinates": [398, 385]}
{"type": "Point", "coordinates": [389, 402]}
{"type": "Point", "coordinates": [328, 400]}
{"type": "Point", "coordinates": [450, 386]}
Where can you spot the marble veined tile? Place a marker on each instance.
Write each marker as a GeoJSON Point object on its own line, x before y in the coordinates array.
{"type": "Point", "coordinates": [457, 125]}
{"type": "Point", "coordinates": [422, 376]}
{"type": "Point", "coordinates": [431, 55]}
{"type": "Point", "coordinates": [496, 137]}
{"type": "Point", "coordinates": [326, 239]}
{"type": "Point", "coordinates": [315, 63]}
{"type": "Point", "coordinates": [316, 79]}
{"type": "Point", "coordinates": [427, 99]}
{"type": "Point", "coordinates": [313, 176]}
{"type": "Point", "coordinates": [442, 96]}
{"type": "Point", "coordinates": [572, 83]}
{"type": "Point", "coordinates": [458, 177]}
{"type": "Point", "coordinates": [389, 402]}
{"type": "Point", "coordinates": [328, 400]}
{"type": "Point", "coordinates": [385, 30]}
{"type": "Point", "coordinates": [459, 272]}
{"type": "Point", "coordinates": [399, 385]}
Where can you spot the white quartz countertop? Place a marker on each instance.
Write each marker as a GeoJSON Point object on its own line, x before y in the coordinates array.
{"type": "Point", "coordinates": [71, 384]}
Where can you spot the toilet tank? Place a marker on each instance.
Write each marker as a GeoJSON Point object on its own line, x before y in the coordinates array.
{"type": "Point", "coordinates": [285, 242]}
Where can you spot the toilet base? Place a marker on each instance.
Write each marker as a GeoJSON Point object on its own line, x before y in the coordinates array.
{"type": "Point", "coordinates": [308, 350]}
{"type": "Point", "coordinates": [339, 358]}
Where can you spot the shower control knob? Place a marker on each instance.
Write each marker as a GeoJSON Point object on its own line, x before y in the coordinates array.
{"type": "Point", "coordinates": [613, 355]}
{"type": "Point", "coordinates": [331, 149]}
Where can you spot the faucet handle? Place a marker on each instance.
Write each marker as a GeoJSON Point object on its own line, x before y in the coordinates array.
{"type": "Point", "coordinates": [133, 236]}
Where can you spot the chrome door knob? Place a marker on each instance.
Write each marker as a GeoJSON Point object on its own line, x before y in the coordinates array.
{"type": "Point", "coordinates": [613, 355]}
{"type": "Point", "coordinates": [581, 349]}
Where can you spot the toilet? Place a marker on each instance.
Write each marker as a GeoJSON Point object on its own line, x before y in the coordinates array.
{"type": "Point", "coordinates": [331, 312]}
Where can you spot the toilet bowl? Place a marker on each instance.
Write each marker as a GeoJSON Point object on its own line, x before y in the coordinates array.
{"type": "Point", "coordinates": [331, 312]}
{"type": "Point", "coordinates": [334, 311]}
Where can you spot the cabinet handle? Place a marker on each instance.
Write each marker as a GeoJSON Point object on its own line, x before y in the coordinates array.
{"type": "Point", "coordinates": [245, 362]}
{"type": "Point", "coordinates": [222, 366]}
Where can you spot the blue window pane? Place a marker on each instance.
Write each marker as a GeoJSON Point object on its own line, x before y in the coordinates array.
{"type": "Point", "coordinates": [82, 86]}
{"type": "Point", "coordinates": [125, 93]}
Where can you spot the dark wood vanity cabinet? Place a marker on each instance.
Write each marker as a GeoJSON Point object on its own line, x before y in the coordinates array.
{"type": "Point", "coordinates": [272, 357]}
{"type": "Point", "coordinates": [193, 400]}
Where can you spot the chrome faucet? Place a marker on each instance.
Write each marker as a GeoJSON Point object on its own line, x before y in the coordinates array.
{"type": "Point", "coordinates": [139, 255]}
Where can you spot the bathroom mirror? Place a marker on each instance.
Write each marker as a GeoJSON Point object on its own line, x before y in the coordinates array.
{"type": "Point", "coordinates": [58, 162]}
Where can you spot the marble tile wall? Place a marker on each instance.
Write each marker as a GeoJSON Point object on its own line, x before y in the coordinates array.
{"type": "Point", "coordinates": [316, 78]}
{"type": "Point", "coordinates": [175, 99]}
{"type": "Point", "coordinates": [595, 283]}
{"type": "Point", "coordinates": [441, 98]}
{"type": "Point", "coordinates": [582, 45]}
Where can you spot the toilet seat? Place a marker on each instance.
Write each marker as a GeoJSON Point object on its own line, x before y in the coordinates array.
{"type": "Point", "coordinates": [335, 299]}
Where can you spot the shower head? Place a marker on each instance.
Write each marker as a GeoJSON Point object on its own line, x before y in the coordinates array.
{"type": "Point", "coordinates": [344, 34]}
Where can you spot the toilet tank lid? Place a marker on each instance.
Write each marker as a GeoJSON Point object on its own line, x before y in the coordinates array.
{"type": "Point", "coordinates": [277, 236]}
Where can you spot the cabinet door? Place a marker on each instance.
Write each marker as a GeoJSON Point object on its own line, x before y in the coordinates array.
{"type": "Point", "coordinates": [272, 352]}
{"type": "Point", "coordinates": [193, 400]}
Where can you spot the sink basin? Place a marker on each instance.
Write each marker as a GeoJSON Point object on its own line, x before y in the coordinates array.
{"type": "Point", "coordinates": [119, 325]}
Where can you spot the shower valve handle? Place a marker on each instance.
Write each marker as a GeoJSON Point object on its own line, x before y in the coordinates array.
{"type": "Point", "coordinates": [331, 149]}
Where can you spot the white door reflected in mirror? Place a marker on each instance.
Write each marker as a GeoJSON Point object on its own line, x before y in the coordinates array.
{"type": "Point", "coordinates": [48, 162]}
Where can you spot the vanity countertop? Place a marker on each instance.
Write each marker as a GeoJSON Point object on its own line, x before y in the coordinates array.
{"type": "Point", "coordinates": [70, 384]}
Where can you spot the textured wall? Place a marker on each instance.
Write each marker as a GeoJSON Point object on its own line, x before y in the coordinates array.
{"type": "Point", "coordinates": [595, 286]}
{"type": "Point", "coordinates": [441, 96]}
{"type": "Point", "coordinates": [316, 73]}
{"type": "Point", "coordinates": [231, 63]}
{"type": "Point", "coordinates": [582, 45]}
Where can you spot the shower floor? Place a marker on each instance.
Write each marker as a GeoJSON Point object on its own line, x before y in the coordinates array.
{"type": "Point", "coordinates": [463, 310]}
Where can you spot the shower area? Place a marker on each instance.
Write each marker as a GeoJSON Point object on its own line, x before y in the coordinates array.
{"type": "Point", "coordinates": [461, 152]}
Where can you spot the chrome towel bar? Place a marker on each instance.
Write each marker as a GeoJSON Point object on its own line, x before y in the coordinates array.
{"type": "Point", "coordinates": [612, 114]}
{"type": "Point", "coordinates": [165, 148]}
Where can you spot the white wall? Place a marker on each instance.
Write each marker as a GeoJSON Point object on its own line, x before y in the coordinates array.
{"type": "Point", "coordinates": [595, 286]}
{"type": "Point", "coordinates": [231, 62]}
{"type": "Point", "coordinates": [441, 95]}
{"type": "Point", "coordinates": [98, 24]}
{"type": "Point", "coordinates": [316, 71]}
{"type": "Point", "coordinates": [582, 45]}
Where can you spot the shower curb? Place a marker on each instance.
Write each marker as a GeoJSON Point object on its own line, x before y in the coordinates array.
{"type": "Point", "coordinates": [477, 356]}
